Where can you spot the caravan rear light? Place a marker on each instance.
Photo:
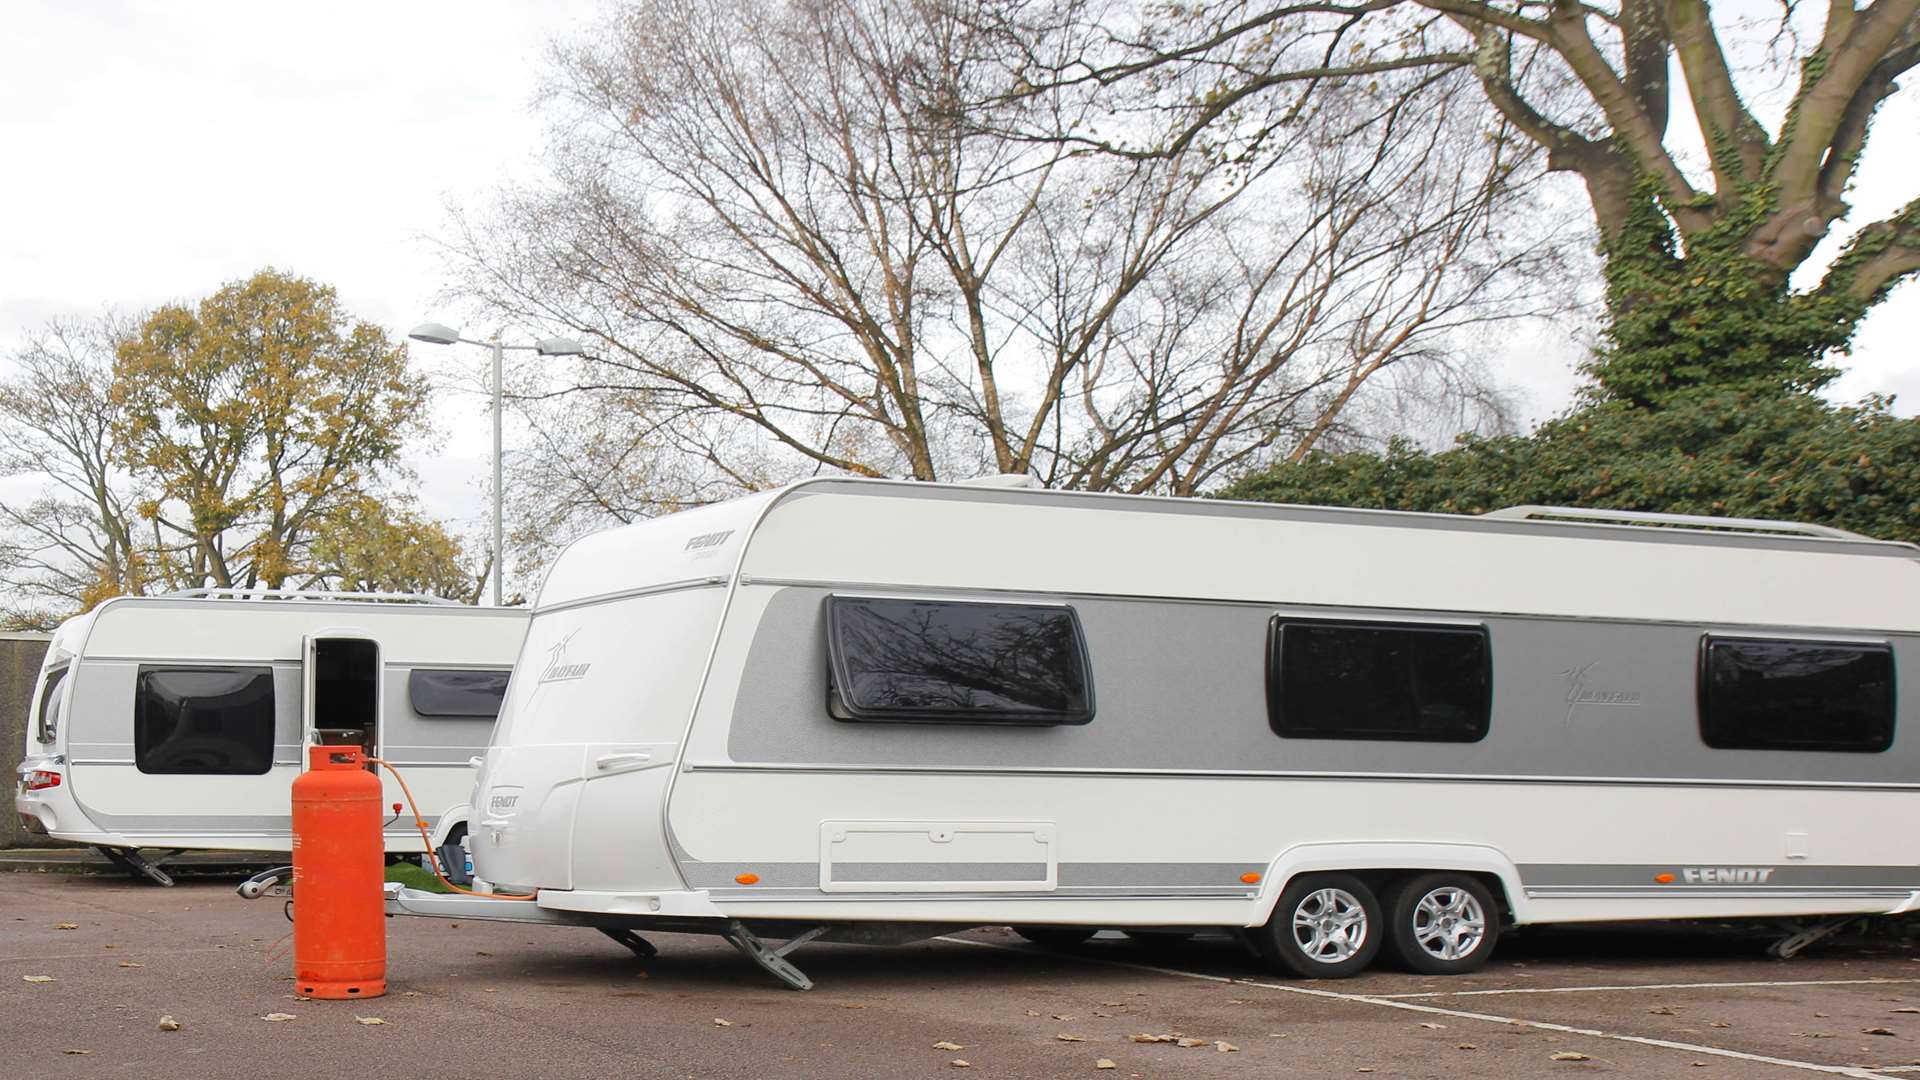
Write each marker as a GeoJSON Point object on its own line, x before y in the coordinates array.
{"type": "Point", "coordinates": [42, 779]}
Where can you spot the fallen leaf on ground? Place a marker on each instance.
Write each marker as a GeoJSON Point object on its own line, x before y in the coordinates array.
{"type": "Point", "coordinates": [277, 1018]}
{"type": "Point", "coordinates": [1719, 1024]}
{"type": "Point", "coordinates": [37, 978]}
{"type": "Point", "coordinates": [1105, 1063]}
{"type": "Point", "coordinates": [1434, 1027]}
{"type": "Point", "coordinates": [1122, 1004]}
{"type": "Point", "coordinates": [66, 926]}
{"type": "Point", "coordinates": [717, 1022]}
{"type": "Point", "coordinates": [1908, 1009]}
{"type": "Point", "coordinates": [370, 1021]}
{"type": "Point", "coordinates": [851, 1005]}
{"type": "Point", "coordinates": [1662, 1010]}
{"type": "Point", "coordinates": [1876, 1031]}
{"type": "Point", "coordinates": [961, 1063]}
{"type": "Point", "coordinates": [1189, 1043]}
{"type": "Point", "coordinates": [1102, 1015]}
{"type": "Point", "coordinates": [410, 993]}
{"type": "Point", "coordinates": [1031, 1012]}
{"type": "Point", "coordinates": [1570, 1055]}
{"type": "Point", "coordinates": [1820, 1016]}
{"type": "Point", "coordinates": [130, 963]}
{"type": "Point", "coordinates": [1151, 1038]}
{"type": "Point", "coordinates": [76, 1051]}
{"type": "Point", "coordinates": [1699, 1064]}
{"type": "Point", "coordinates": [168, 1023]}
{"type": "Point", "coordinates": [945, 1045]}
{"type": "Point", "coordinates": [1061, 1016]}
{"type": "Point", "coordinates": [1071, 1038]}
{"type": "Point", "coordinates": [1225, 1047]}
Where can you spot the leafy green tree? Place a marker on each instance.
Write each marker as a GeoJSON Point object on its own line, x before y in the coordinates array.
{"type": "Point", "coordinates": [1717, 451]}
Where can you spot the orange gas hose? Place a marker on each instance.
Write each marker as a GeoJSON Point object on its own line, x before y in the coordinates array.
{"type": "Point", "coordinates": [427, 838]}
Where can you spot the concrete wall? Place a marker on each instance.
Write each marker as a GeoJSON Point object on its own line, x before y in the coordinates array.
{"type": "Point", "coordinates": [20, 656]}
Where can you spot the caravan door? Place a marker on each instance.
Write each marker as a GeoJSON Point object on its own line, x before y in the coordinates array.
{"type": "Point", "coordinates": [340, 700]}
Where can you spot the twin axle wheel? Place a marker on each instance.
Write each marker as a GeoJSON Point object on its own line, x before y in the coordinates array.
{"type": "Point", "coordinates": [1331, 926]}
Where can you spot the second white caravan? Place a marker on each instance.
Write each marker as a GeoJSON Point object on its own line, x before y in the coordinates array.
{"type": "Point", "coordinates": [179, 722]}
{"type": "Point", "coordinates": [849, 708]}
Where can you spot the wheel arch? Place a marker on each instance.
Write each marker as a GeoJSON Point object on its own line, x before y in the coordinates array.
{"type": "Point", "coordinates": [454, 817]}
{"type": "Point", "coordinates": [1380, 863]}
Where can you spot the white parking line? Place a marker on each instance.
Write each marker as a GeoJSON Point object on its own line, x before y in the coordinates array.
{"type": "Point", "coordinates": [1857, 1072]}
{"type": "Point", "coordinates": [1643, 986]}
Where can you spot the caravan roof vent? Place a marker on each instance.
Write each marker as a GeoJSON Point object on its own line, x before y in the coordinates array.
{"type": "Point", "coordinates": [1004, 480]}
{"type": "Point", "coordinates": [1682, 521]}
{"type": "Point", "coordinates": [310, 594]}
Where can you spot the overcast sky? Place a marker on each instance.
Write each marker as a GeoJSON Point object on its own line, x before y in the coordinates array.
{"type": "Point", "coordinates": [156, 151]}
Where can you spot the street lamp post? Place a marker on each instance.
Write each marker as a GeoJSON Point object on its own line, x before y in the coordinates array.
{"type": "Point", "coordinates": [438, 334]}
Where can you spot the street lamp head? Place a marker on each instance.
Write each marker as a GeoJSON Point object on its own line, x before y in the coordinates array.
{"type": "Point", "coordinates": [559, 346]}
{"type": "Point", "coordinates": [434, 333]}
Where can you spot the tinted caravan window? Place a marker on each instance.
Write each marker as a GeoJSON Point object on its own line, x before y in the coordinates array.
{"type": "Point", "coordinates": [970, 663]}
{"type": "Point", "coordinates": [204, 720]}
{"type": "Point", "coordinates": [1760, 694]}
{"type": "Point", "coordinates": [49, 713]}
{"type": "Point", "coordinates": [1335, 680]}
{"type": "Point", "coordinates": [457, 693]}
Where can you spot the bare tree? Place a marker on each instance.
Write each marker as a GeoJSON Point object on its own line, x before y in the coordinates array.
{"type": "Point", "coordinates": [79, 538]}
{"type": "Point", "coordinates": [1701, 248]}
{"type": "Point", "coordinates": [811, 236]}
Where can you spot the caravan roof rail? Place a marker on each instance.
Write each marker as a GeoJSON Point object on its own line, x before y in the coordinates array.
{"type": "Point", "coordinates": [239, 593]}
{"type": "Point", "coordinates": [1705, 522]}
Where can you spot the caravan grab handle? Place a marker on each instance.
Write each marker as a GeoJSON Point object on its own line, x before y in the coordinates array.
{"type": "Point", "coordinates": [616, 761]}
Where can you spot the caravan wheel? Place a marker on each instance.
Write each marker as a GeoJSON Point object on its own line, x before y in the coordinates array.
{"type": "Point", "coordinates": [1444, 924]}
{"type": "Point", "coordinates": [1326, 926]}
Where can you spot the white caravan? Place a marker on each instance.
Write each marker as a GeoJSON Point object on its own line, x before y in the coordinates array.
{"type": "Point", "coordinates": [180, 722]}
{"type": "Point", "coordinates": [848, 709]}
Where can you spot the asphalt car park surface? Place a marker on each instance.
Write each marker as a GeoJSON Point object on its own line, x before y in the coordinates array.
{"type": "Point", "coordinates": [473, 999]}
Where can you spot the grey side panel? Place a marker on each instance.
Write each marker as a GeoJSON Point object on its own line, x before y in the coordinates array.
{"type": "Point", "coordinates": [412, 739]}
{"type": "Point", "coordinates": [1181, 686]}
{"type": "Point", "coordinates": [100, 717]}
{"type": "Point", "coordinates": [1076, 879]}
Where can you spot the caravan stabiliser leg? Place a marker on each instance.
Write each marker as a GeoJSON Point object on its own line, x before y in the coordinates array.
{"type": "Point", "coordinates": [1804, 934]}
{"type": "Point", "coordinates": [641, 947]}
{"type": "Point", "coordinates": [130, 860]}
{"type": "Point", "coordinates": [772, 959]}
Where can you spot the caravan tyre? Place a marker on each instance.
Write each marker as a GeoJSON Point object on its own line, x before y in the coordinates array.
{"type": "Point", "coordinates": [1326, 926]}
{"type": "Point", "coordinates": [1443, 924]}
{"type": "Point", "coordinates": [1058, 937]}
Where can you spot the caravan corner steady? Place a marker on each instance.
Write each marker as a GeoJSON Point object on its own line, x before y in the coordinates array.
{"type": "Point", "coordinates": [870, 710]}
{"type": "Point", "coordinates": [179, 722]}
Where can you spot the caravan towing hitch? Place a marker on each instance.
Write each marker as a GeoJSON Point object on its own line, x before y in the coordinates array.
{"type": "Point", "coordinates": [267, 883]}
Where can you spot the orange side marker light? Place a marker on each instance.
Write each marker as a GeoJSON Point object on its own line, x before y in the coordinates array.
{"type": "Point", "coordinates": [1664, 879]}
{"type": "Point", "coordinates": [1250, 878]}
{"type": "Point", "coordinates": [747, 879]}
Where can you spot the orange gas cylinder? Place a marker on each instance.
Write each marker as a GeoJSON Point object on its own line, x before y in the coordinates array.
{"type": "Point", "coordinates": [339, 862]}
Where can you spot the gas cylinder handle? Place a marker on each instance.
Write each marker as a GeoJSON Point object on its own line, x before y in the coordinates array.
{"type": "Point", "coordinates": [617, 761]}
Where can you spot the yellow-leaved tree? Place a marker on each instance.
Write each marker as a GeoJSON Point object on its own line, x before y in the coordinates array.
{"type": "Point", "coordinates": [251, 419]}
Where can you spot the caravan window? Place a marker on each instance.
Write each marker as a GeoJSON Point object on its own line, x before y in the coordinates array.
{"type": "Point", "coordinates": [49, 713]}
{"type": "Point", "coordinates": [936, 661]}
{"type": "Point", "coordinates": [1796, 695]}
{"type": "Point", "coordinates": [1362, 680]}
{"type": "Point", "coordinates": [457, 693]}
{"type": "Point", "coordinates": [204, 720]}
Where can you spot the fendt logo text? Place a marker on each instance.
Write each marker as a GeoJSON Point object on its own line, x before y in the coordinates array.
{"type": "Point", "coordinates": [1726, 875]}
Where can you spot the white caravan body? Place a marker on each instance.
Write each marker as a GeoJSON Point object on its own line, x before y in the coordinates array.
{"type": "Point", "coordinates": [181, 721]}
{"type": "Point", "coordinates": [674, 747]}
